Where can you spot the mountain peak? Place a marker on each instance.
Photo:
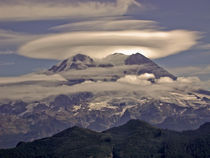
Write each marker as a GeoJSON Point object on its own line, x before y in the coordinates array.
{"type": "Point", "coordinates": [78, 62]}
{"type": "Point", "coordinates": [130, 127]}
{"type": "Point", "coordinates": [151, 67]}
{"type": "Point", "coordinates": [82, 62]}
{"type": "Point", "coordinates": [137, 59]}
{"type": "Point", "coordinates": [81, 57]}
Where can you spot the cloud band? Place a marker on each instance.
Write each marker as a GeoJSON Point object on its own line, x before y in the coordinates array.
{"type": "Point", "coordinates": [151, 43]}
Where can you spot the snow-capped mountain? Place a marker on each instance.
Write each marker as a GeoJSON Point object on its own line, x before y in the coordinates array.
{"type": "Point", "coordinates": [110, 68]}
{"type": "Point", "coordinates": [78, 62]}
{"type": "Point", "coordinates": [99, 94]}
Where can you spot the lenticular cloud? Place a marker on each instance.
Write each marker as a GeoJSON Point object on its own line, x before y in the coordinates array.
{"type": "Point", "coordinates": [150, 43]}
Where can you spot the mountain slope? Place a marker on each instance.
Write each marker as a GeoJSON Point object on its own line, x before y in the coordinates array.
{"type": "Point", "coordinates": [110, 68]}
{"type": "Point", "coordinates": [98, 98]}
{"type": "Point", "coordinates": [134, 139]}
{"type": "Point", "coordinates": [78, 62]}
{"type": "Point", "coordinates": [151, 67]}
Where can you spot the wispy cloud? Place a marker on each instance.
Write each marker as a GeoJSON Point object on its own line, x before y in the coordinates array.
{"type": "Point", "coordinates": [36, 91]}
{"type": "Point", "coordinates": [204, 46]}
{"type": "Point", "coordinates": [191, 70]}
{"type": "Point", "coordinates": [6, 63]}
{"type": "Point", "coordinates": [151, 43]}
{"type": "Point", "coordinates": [107, 24]}
{"type": "Point", "coordinates": [5, 52]}
{"type": "Point", "coordinates": [56, 9]}
{"type": "Point", "coordinates": [31, 77]}
{"type": "Point", "coordinates": [10, 40]}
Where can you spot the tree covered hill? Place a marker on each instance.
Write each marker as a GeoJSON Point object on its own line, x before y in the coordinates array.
{"type": "Point", "coordinates": [135, 139]}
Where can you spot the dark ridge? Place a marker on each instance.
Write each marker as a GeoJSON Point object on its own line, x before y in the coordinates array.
{"type": "Point", "coordinates": [105, 65]}
{"type": "Point", "coordinates": [149, 66]}
{"type": "Point", "coordinates": [202, 91]}
{"type": "Point", "coordinates": [134, 139]}
{"type": "Point", "coordinates": [75, 130]}
{"type": "Point", "coordinates": [205, 126]}
{"type": "Point", "coordinates": [81, 57]}
{"type": "Point", "coordinates": [130, 127]}
{"type": "Point", "coordinates": [137, 59]}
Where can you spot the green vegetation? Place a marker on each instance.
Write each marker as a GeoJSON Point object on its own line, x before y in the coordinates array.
{"type": "Point", "coordinates": [136, 139]}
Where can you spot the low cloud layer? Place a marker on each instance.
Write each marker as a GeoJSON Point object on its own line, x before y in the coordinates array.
{"type": "Point", "coordinates": [151, 43]}
{"type": "Point", "coordinates": [137, 80]}
{"type": "Point", "coordinates": [31, 77]}
{"type": "Point", "coordinates": [61, 9]}
{"type": "Point", "coordinates": [200, 71]}
{"type": "Point", "coordinates": [139, 84]}
{"type": "Point", "coordinates": [143, 80]}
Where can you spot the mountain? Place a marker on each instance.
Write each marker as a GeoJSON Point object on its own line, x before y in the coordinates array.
{"type": "Point", "coordinates": [119, 64]}
{"type": "Point", "coordinates": [134, 139]}
{"type": "Point", "coordinates": [151, 67]}
{"type": "Point", "coordinates": [78, 62]}
{"type": "Point", "coordinates": [115, 90]}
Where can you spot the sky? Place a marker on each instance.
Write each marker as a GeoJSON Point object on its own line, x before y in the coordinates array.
{"type": "Point", "coordinates": [35, 34]}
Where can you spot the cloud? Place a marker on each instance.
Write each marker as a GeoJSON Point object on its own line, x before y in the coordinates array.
{"type": "Point", "coordinates": [10, 40]}
{"type": "Point", "coordinates": [146, 76]}
{"type": "Point", "coordinates": [185, 83]}
{"type": "Point", "coordinates": [31, 77]}
{"type": "Point", "coordinates": [5, 52]}
{"type": "Point", "coordinates": [6, 63]}
{"type": "Point", "coordinates": [107, 24]}
{"type": "Point", "coordinates": [60, 9]}
{"type": "Point", "coordinates": [191, 70]}
{"type": "Point", "coordinates": [151, 43]}
{"type": "Point", "coordinates": [180, 80]}
{"type": "Point", "coordinates": [11, 89]}
{"type": "Point", "coordinates": [204, 46]}
{"type": "Point", "coordinates": [188, 79]}
{"type": "Point", "coordinates": [137, 80]}
{"type": "Point", "coordinates": [165, 80]}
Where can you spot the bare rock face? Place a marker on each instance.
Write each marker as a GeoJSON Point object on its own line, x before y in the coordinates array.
{"type": "Point", "coordinates": [78, 62]}
{"type": "Point", "coordinates": [150, 66]}
{"type": "Point", "coordinates": [22, 121]}
{"type": "Point", "coordinates": [142, 65]}
{"type": "Point", "coordinates": [137, 59]}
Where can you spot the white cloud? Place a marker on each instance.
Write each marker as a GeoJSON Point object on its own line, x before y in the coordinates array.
{"type": "Point", "coordinates": [10, 41]}
{"type": "Point", "coordinates": [180, 80]}
{"type": "Point", "coordinates": [165, 80]}
{"type": "Point", "coordinates": [107, 24]}
{"type": "Point", "coordinates": [137, 80]}
{"type": "Point", "coordinates": [146, 76]}
{"type": "Point", "coordinates": [188, 80]}
{"type": "Point", "coordinates": [31, 77]}
{"type": "Point", "coordinates": [34, 10]}
{"type": "Point", "coordinates": [185, 83]}
{"type": "Point", "coordinates": [128, 85]}
{"type": "Point", "coordinates": [151, 43]}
